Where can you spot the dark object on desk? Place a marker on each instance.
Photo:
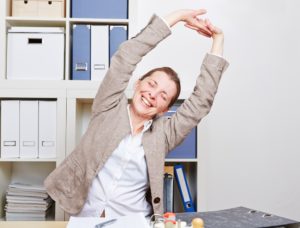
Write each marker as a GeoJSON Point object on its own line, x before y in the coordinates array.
{"type": "Point", "coordinates": [239, 217]}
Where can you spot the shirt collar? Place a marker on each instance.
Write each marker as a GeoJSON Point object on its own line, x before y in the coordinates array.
{"type": "Point", "coordinates": [147, 124]}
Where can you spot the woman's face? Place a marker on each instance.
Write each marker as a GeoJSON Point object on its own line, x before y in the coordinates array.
{"type": "Point", "coordinates": [153, 95]}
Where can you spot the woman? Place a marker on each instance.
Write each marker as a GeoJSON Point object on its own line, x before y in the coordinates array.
{"type": "Point", "coordinates": [121, 155]}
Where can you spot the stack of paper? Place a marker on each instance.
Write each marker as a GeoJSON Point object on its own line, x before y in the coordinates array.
{"type": "Point", "coordinates": [27, 202]}
{"type": "Point", "coordinates": [133, 220]}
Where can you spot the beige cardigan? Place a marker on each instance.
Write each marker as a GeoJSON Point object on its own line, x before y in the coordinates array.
{"type": "Point", "coordinates": [69, 183]}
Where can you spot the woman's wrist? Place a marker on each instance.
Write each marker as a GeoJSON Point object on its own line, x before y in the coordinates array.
{"type": "Point", "coordinates": [173, 18]}
{"type": "Point", "coordinates": [217, 45]}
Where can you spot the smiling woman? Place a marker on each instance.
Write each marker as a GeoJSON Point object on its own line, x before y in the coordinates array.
{"type": "Point", "coordinates": [153, 95]}
{"type": "Point", "coordinates": [173, 76]}
{"type": "Point", "coordinates": [121, 156]}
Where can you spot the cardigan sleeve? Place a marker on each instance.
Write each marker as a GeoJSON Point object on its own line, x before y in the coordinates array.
{"type": "Point", "coordinates": [198, 105]}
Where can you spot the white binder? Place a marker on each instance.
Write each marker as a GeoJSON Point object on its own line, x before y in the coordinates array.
{"type": "Point", "coordinates": [29, 129]}
{"type": "Point", "coordinates": [99, 51]}
{"type": "Point", "coordinates": [47, 129]}
{"type": "Point", "coordinates": [10, 129]}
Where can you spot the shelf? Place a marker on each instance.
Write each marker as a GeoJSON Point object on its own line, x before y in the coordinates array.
{"type": "Point", "coordinates": [98, 21]}
{"type": "Point", "coordinates": [25, 172]}
{"type": "Point", "coordinates": [181, 160]}
{"type": "Point", "coordinates": [30, 84]}
{"type": "Point", "coordinates": [73, 88]}
{"type": "Point", "coordinates": [33, 21]}
{"type": "Point", "coordinates": [31, 93]}
{"type": "Point", "coordinates": [28, 159]}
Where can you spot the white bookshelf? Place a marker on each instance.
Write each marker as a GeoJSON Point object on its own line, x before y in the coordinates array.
{"type": "Point", "coordinates": [74, 99]}
{"type": "Point", "coordinates": [9, 166]}
{"type": "Point", "coordinates": [62, 91]}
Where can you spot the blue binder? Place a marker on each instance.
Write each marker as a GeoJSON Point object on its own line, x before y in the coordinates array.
{"type": "Point", "coordinates": [81, 52]}
{"type": "Point", "coordinates": [117, 35]}
{"type": "Point", "coordinates": [188, 148]}
{"type": "Point", "coordinates": [115, 9]}
{"type": "Point", "coordinates": [184, 189]}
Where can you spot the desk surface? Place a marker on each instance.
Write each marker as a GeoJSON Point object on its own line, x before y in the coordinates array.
{"type": "Point", "coordinates": [29, 224]}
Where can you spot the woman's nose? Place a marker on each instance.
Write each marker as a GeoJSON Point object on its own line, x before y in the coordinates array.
{"type": "Point", "coordinates": [152, 95]}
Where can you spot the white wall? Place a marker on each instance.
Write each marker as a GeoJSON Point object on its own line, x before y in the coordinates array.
{"type": "Point", "coordinates": [249, 144]}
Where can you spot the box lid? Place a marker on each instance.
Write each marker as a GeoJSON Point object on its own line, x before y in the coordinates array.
{"type": "Point", "coordinates": [21, 29]}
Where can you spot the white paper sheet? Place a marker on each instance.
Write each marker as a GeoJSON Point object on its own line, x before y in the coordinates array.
{"type": "Point", "coordinates": [136, 220]}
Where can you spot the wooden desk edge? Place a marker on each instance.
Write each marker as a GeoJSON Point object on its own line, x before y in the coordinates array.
{"type": "Point", "coordinates": [33, 224]}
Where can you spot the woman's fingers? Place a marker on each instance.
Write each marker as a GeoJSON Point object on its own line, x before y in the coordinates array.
{"type": "Point", "coordinates": [191, 27]}
{"type": "Point", "coordinates": [202, 32]}
{"type": "Point", "coordinates": [213, 28]}
{"type": "Point", "coordinates": [198, 12]}
{"type": "Point", "coordinates": [198, 24]}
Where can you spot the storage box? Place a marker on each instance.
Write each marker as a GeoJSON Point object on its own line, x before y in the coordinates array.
{"type": "Point", "coordinates": [188, 148]}
{"type": "Point", "coordinates": [38, 8]}
{"type": "Point", "coordinates": [35, 53]}
{"type": "Point", "coordinates": [21, 8]}
{"type": "Point", "coordinates": [110, 9]}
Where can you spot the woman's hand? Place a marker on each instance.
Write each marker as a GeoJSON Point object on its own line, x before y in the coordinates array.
{"type": "Point", "coordinates": [203, 27]}
{"type": "Point", "coordinates": [218, 38]}
{"type": "Point", "coordinates": [216, 34]}
{"type": "Point", "coordinates": [191, 19]}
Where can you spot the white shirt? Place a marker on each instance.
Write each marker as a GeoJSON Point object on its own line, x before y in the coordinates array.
{"type": "Point", "coordinates": [121, 185]}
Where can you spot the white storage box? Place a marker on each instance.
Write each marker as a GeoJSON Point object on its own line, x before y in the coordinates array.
{"type": "Point", "coordinates": [38, 8]}
{"type": "Point", "coordinates": [35, 53]}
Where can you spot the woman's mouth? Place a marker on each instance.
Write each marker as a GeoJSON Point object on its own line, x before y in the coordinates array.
{"type": "Point", "coordinates": [146, 102]}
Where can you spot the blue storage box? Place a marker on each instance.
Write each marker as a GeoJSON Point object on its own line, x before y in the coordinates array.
{"type": "Point", "coordinates": [110, 9]}
{"type": "Point", "coordinates": [188, 148]}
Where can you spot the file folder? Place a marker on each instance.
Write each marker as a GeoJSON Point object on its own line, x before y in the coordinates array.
{"type": "Point", "coordinates": [184, 189]}
{"type": "Point", "coordinates": [117, 35]}
{"type": "Point", "coordinates": [115, 9]}
{"type": "Point", "coordinates": [29, 129]}
{"type": "Point", "coordinates": [47, 129]}
{"type": "Point", "coordinates": [188, 148]}
{"type": "Point", "coordinates": [10, 129]}
{"type": "Point", "coordinates": [241, 217]}
{"type": "Point", "coordinates": [99, 51]}
{"type": "Point", "coordinates": [81, 52]}
{"type": "Point", "coordinates": [168, 188]}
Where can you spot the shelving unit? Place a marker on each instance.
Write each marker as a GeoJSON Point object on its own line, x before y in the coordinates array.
{"type": "Point", "coordinates": [9, 167]}
{"type": "Point", "coordinates": [74, 100]}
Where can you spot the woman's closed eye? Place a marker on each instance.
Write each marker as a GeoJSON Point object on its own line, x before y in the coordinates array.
{"type": "Point", "coordinates": [152, 84]}
{"type": "Point", "coordinates": [164, 96]}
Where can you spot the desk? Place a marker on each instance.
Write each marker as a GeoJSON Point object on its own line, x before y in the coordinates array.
{"type": "Point", "coordinates": [31, 224]}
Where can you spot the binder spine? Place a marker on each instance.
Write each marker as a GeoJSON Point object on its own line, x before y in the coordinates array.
{"type": "Point", "coordinates": [168, 192]}
{"type": "Point", "coordinates": [117, 35]}
{"type": "Point", "coordinates": [81, 52]}
{"type": "Point", "coordinates": [184, 189]}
